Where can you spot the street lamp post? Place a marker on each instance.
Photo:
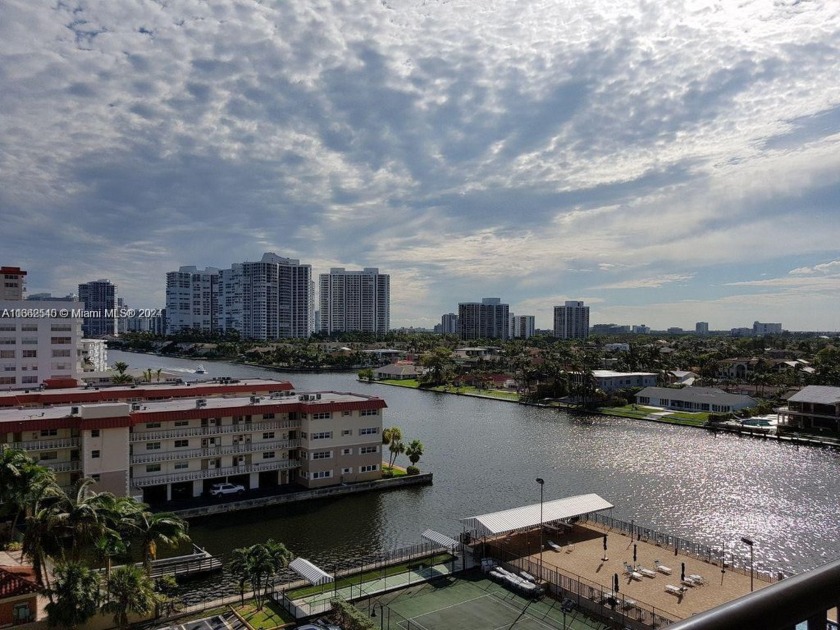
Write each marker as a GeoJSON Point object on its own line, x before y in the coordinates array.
{"type": "Point", "coordinates": [541, 481]}
{"type": "Point", "coordinates": [749, 542]}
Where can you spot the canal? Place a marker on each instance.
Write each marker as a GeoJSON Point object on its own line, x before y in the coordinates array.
{"type": "Point", "coordinates": [486, 455]}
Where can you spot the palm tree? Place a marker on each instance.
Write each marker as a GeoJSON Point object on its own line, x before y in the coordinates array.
{"type": "Point", "coordinates": [81, 517]}
{"type": "Point", "coordinates": [74, 596]}
{"type": "Point", "coordinates": [130, 591]}
{"type": "Point", "coordinates": [414, 451]}
{"type": "Point", "coordinates": [238, 565]}
{"type": "Point", "coordinates": [21, 481]}
{"type": "Point", "coordinates": [121, 378]}
{"type": "Point", "coordinates": [393, 437]}
{"type": "Point", "coordinates": [155, 528]}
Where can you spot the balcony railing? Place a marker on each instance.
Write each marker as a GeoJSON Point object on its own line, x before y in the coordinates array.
{"type": "Point", "coordinates": [209, 431]}
{"type": "Point", "coordinates": [45, 445]}
{"type": "Point", "coordinates": [61, 467]}
{"type": "Point", "coordinates": [211, 473]}
{"type": "Point", "coordinates": [243, 448]}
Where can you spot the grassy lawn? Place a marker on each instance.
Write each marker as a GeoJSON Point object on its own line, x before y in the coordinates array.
{"type": "Point", "coordinates": [673, 417]}
{"type": "Point", "coordinates": [271, 615]}
{"type": "Point", "coordinates": [396, 471]}
{"type": "Point", "coordinates": [450, 389]}
{"type": "Point", "coordinates": [369, 576]}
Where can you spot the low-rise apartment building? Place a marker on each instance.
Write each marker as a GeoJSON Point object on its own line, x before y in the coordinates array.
{"type": "Point", "coordinates": [708, 399]}
{"type": "Point", "coordinates": [177, 448]}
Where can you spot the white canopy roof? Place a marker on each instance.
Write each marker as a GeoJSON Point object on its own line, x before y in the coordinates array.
{"type": "Point", "coordinates": [529, 515]}
{"type": "Point", "coordinates": [309, 571]}
{"type": "Point", "coordinates": [440, 539]}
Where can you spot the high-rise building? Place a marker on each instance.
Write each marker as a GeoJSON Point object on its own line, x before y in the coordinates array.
{"type": "Point", "coordinates": [489, 319]}
{"type": "Point", "coordinates": [355, 301]}
{"type": "Point", "coordinates": [571, 321]}
{"type": "Point", "coordinates": [522, 326]}
{"type": "Point", "coordinates": [760, 329]}
{"type": "Point", "coordinates": [701, 328]}
{"type": "Point", "coordinates": [449, 324]}
{"type": "Point", "coordinates": [13, 283]}
{"type": "Point", "coordinates": [269, 299]}
{"type": "Point", "coordinates": [100, 300]}
{"type": "Point", "coordinates": [39, 341]}
{"type": "Point", "coordinates": [192, 300]}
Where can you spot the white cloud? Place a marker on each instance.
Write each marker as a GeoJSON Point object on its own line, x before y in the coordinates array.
{"type": "Point", "coordinates": [531, 150]}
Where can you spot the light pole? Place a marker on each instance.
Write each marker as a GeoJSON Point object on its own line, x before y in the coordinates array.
{"type": "Point", "coordinates": [541, 481]}
{"type": "Point", "coordinates": [750, 542]}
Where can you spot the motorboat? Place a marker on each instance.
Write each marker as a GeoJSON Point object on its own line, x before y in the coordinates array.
{"type": "Point", "coordinates": [200, 369]}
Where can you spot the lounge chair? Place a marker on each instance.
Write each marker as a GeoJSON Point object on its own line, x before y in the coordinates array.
{"type": "Point", "coordinates": [674, 590]}
{"type": "Point", "coordinates": [646, 572]}
{"type": "Point", "coordinates": [697, 579]}
{"type": "Point", "coordinates": [687, 581]}
{"type": "Point", "coordinates": [662, 568]}
{"type": "Point", "coordinates": [631, 572]}
{"type": "Point", "coordinates": [553, 545]}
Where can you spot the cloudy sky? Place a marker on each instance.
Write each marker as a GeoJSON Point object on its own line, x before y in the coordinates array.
{"type": "Point", "coordinates": [666, 162]}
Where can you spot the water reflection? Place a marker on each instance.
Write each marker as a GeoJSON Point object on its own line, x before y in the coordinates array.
{"type": "Point", "coordinates": [486, 455]}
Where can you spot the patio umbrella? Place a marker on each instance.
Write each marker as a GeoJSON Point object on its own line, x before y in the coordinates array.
{"type": "Point", "coordinates": [682, 571]}
{"type": "Point", "coordinates": [615, 582]}
{"type": "Point", "coordinates": [605, 542]}
{"type": "Point", "coordinates": [634, 552]}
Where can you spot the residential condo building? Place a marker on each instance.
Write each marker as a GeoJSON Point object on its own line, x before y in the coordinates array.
{"type": "Point", "coordinates": [355, 301]}
{"type": "Point", "coordinates": [571, 321]}
{"type": "Point", "coordinates": [178, 447]}
{"type": "Point", "coordinates": [100, 304]}
{"type": "Point", "coordinates": [192, 300]}
{"type": "Point", "coordinates": [488, 319]}
{"type": "Point", "coordinates": [522, 326]}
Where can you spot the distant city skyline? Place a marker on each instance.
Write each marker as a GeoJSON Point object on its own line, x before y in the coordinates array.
{"type": "Point", "coordinates": [664, 163]}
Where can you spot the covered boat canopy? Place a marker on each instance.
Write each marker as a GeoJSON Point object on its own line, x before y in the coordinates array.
{"type": "Point", "coordinates": [440, 539]}
{"type": "Point", "coordinates": [310, 572]}
{"type": "Point", "coordinates": [528, 516]}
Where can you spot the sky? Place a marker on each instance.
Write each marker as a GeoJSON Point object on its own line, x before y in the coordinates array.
{"type": "Point", "coordinates": [665, 162]}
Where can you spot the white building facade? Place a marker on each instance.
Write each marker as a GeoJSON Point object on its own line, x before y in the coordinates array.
{"type": "Point", "coordinates": [192, 300]}
{"type": "Point", "coordinates": [571, 321]}
{"type": "Point", "coordinates": [355, 301]}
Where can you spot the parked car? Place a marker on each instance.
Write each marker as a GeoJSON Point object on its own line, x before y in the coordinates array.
{"type": "Point", "coordinates": [222, 489]}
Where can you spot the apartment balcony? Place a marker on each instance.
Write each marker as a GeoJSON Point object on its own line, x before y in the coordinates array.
{"type": "Point", "coordinates": [45, 445]}
{"type": "Point", "coordinates": [213, 473]}
{"type": "Point", "coordinates": [243, 448]}
{"type": "Point", "coordinates": [213, 430]}
{"type": "Point", "coordinates": [62, 467]}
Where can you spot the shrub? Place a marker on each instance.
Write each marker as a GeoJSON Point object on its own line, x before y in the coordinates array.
{"type": "Point", "coordinates": [412, 470]}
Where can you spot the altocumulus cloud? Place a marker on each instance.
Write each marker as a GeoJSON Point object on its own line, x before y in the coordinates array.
{"type": "Point", "coordinates": [639, 155]}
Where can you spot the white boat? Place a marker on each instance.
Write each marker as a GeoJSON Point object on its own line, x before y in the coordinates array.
{"type": "Point", "coordinates": [200, 369]}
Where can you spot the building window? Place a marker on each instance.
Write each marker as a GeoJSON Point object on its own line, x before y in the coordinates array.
{"type": "Point", "coordinates": [322, 415]}
{"type": "Point", "coordinates": [347, 432]}
{"type": "Point", "coordinates": [181, 465]}
{"type": "Point", "coordinates": [153, 468]}
{"type": "Point", "coordinates": [323, 435]}
{"type": "Point", "coordinates": [94, 433]}
{"type": "Point", "coordinates": [60, 353]}
{"type": "Point", "coordinates": [152, 446]}
{"type": "Point", "coordinates": [29, 328]}
{"type": "Point", "coordinates": [57, 341]}
{"type": "Point", "coordinates": [31, 380]}
{"type": "Point", "coordinates": [49, 455]}
{"type": "Point", "coordinates": [269, 455]}
{"type": "Point", "coordinates": [365, 450]}
{"type": "Point", "coordinates": [324, 474]}
{"type": "Point", "coordinates": [346, 471]}
{"type": "Point", "coordinates": [268, 435]}
{"type": "Point", "coordinates": [29, 354]}
{"type": "Point", "coordinates": [370, 468]}
{"type": "Point", "coordinates": [153, 425]}
{"type": "Point", "coordinates": [369, 412]}
{"type": "Point", "coordinates": [346, 412]}
{"type": "Point", "coordinates": [347, 451]}
{"type": "Point", "coordinates": [182, 443]}
{"type": "Point", "coordinates": [7, 354]}
{"type": "Point", "coordinates": [369, 431]}
{"type": "Point", "coordinates": [268, 416]}
{"type": "Point", "coordinates": [8, 380]}
{"type": "Point", "coordinates": [49, 432]}
{"type": "Point", "coordinates": [322, 455]}
{"type": "Point", "coordinates": [182, 423]}
{"type": "Point", "coordinates": [94, 454]}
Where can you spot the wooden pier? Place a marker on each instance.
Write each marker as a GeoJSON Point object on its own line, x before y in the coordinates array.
{"type": "Point", "coordinates": [196, 563]}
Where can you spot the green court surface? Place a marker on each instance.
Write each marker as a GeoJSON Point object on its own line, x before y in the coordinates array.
{"type": "Point", "coordinates": [472, 604]}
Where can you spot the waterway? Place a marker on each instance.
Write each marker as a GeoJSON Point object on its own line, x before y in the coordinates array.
{"type": "Point", "coordinates": [486, 455]}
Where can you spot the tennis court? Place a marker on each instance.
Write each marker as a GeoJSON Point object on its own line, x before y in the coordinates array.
{"type": "Point", "coordinates": [472, 604]}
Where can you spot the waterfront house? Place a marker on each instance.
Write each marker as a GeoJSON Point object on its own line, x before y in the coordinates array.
{"type": "Point", "coordinates": [399, 372]}
{"type": "Point", "coordinates": [815, 407]}
{"type": "Point", "coordinates": [707, 399]}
